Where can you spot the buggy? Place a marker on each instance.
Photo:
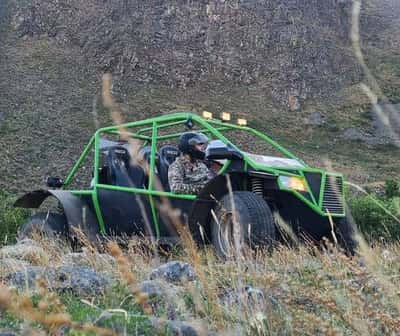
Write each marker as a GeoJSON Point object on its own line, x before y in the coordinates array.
{"type": "Point", "coordinates": [257, 182]}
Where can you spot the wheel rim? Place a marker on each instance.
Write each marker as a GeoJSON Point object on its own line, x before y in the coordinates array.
{"type": "Point", "coordinates": [230, 237]}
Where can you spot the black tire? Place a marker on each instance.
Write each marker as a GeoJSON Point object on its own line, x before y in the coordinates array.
{"type": "Point", "coordinates": [255, 223]}
{"type": "Point", "coordinates": [345, 233]}
{"type": "Point", "coordinates": [47, 224]}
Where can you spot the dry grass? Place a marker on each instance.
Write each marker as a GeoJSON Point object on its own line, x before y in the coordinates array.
{"type": "Point", "coordinates": [49, 312]}
{"type": "Point", "coordinates": [302, 291]}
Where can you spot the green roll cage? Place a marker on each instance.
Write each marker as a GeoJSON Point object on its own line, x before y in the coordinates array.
{"type": "Point", "coordinates": [149, 134]}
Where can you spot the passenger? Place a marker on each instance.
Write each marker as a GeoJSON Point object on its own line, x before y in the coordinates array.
{"type": "Point", "coordinates": [188, 173]}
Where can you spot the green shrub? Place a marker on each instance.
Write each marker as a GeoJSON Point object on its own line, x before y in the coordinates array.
{"type": "Point", "coordinates": [10, 218]}
{"type": "Point", "coordinates": [376, 216]}
{"type": "Point", "coordinates": [392, 188]}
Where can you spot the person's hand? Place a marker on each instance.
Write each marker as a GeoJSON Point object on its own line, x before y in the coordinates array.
{"type": "Point", "coordinates": [213, 166]}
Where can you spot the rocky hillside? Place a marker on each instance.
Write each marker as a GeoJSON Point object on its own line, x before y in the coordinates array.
{"type": "Point", "coordinates": [286, 64]}
{"type": "Point", "coordinates": [294, 50]}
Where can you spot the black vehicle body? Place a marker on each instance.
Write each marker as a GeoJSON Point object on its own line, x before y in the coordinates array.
{"type": "Point", "coordinates": [127, 188]}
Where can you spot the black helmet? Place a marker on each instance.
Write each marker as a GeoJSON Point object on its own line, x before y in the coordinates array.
{"type": "Point", "coordinates": [188, 142]}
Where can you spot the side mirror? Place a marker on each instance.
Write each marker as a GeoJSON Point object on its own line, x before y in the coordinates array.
{"type": "Point", "coordinates": [217, 150]}
{"type": "Point", "coordinates": [54, 182]}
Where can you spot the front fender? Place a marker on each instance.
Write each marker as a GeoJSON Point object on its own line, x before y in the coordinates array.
{"type": "Point", "coordinates": [76, 210]}
{"type": "Point", "coordinates": [215, 189]}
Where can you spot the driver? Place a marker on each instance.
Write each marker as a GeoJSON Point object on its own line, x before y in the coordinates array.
{"type": "Point", "coordinates": [188, 173]}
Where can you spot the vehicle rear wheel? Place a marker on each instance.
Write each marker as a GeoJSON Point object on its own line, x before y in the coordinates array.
{"type": "Point", "coordinates": [242, 219]}
{"type": "Point", "coordinates": [44, 224]}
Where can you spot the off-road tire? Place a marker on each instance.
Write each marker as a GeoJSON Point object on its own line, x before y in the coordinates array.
{"type": "Point", "coordinates": [47, 224]}
{"type": "Point", "coordinates": [255, 225]}
{"type": "Point", "coordinates": [345, 234]}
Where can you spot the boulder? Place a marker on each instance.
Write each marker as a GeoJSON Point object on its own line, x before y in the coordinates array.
{"type": "Point", "coordinates": [176, 328]}
{"type": "Point", "coordinates": [27, 250]}
{"type": "Point", "coordinates": [164, 296]}
{"type": "Point", "coordinates": [100, 261]}
{"type": "Point", "coordinates": [174, 272]}
{"type": "Point", "coordinates": [386, 123]}
{"type": "Point", "coordinates": [153, 288]}
{"type": "Point", "coordinates": [247, 294]}
{"type": "Point", "coordinates": [355, 135]}
{"type": "Point", "coordinates": [316, 119]}
{"type": "Point", "coordinates": [9, 265]}
{"type": "Point", "coordinates": [77, 280]}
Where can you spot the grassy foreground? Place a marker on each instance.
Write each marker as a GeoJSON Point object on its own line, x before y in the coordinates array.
{"type": "Point", "coordinates": [305, 291]}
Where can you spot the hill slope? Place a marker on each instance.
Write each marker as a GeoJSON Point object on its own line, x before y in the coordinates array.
{"type": "Point", "coordinates": [286, 65]}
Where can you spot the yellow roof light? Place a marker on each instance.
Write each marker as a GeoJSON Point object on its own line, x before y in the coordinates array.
{"type": "Point", "coordinates": [242, 122]}
{"type": "Point", "coordinates": [207, 115]}
{"type": "Point", "coordinates": [225, 116]}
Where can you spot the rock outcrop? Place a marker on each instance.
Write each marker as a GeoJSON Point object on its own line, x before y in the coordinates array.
{"type": "Point", "coordinates": [294, 49]}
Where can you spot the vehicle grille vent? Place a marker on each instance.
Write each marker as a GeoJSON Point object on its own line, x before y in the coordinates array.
{"type": "Point", "coordinates": [333, 195]}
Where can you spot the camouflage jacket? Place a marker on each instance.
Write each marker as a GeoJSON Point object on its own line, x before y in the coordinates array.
{"type": "Point", "coordinates": [186, 177]}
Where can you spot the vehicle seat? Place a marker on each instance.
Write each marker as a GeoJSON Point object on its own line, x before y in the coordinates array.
{"type": "Point", "coordinates": [104, 175]}
{"type": "Point", "coordinates": [168, 154]}
{"type": "Point", "coordinates": [144, 153]}
{"type": "Point", "coordinates": [122, 172]}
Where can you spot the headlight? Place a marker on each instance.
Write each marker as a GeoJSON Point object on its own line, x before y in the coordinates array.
{"type": "Point", "coordinates": [293, 182]}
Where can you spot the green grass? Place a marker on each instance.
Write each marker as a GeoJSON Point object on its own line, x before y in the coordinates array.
{"type": "Point", "coordinates": [378, 217]}
{"type": "Point", "coordinates": [9, 321]}
{"type": "Point", "coordinates": [10, 218]}
{"type": "Point", "coordinates": [133, 322]}
{"type": "Point", "coordinates": [99, 311]}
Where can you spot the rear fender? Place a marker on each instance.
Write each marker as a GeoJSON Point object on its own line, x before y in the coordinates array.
{"type": "Point", "coordinates": [77, 212]}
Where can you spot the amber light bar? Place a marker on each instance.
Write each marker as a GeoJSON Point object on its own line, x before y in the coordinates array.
{"type": "Point", "coordinates": [225, 116]}
{"type": "Point", "coordinates": [242, 122]}
{"type": "Point", "coordinates": [207, 115]}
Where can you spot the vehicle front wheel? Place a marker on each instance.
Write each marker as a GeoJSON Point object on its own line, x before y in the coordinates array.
{"type": "Point", "coordinates": [241, 219]}
{"type": "Point", "coordinates": [345, 232]}
{"type": "Point", "coordinates": [44, 224]}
